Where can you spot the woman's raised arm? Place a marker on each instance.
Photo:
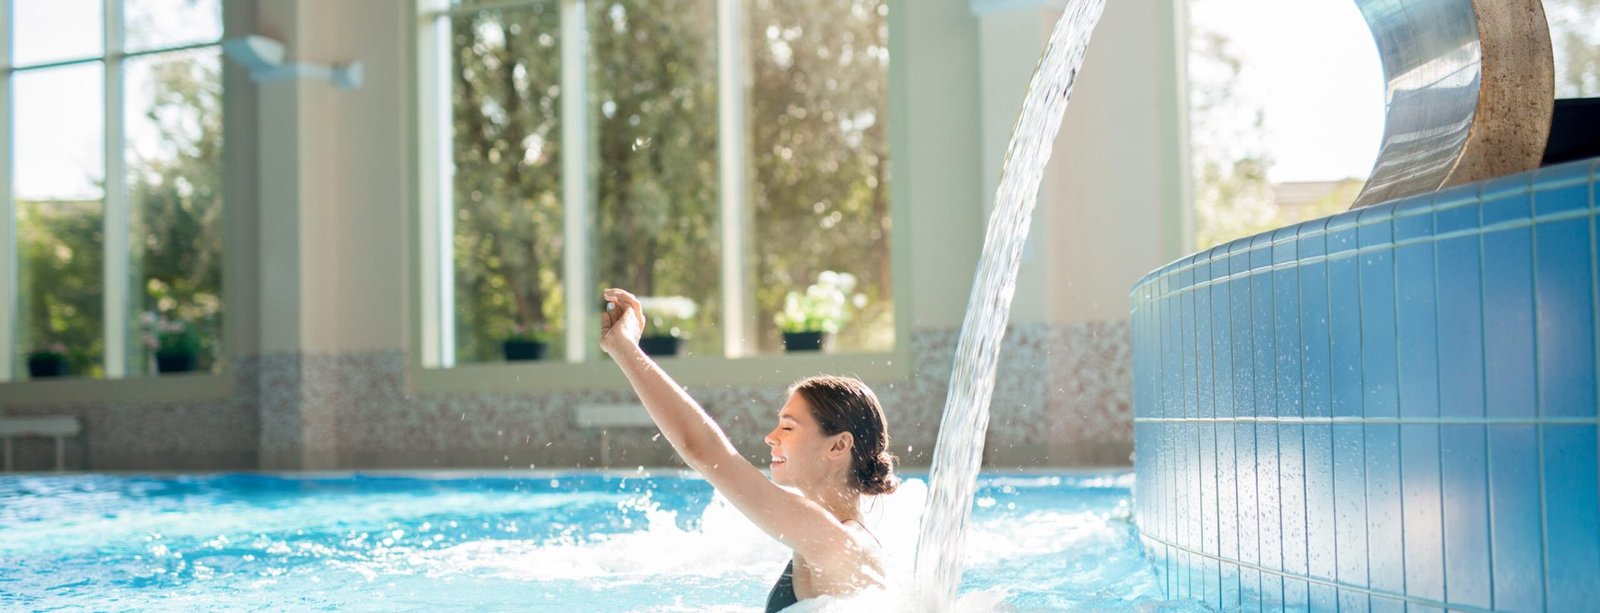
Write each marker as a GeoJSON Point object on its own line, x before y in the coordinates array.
{"type": "Point", "coordinates": [789, 517]}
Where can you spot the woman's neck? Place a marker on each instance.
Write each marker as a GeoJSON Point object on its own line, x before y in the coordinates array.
{"type": "Point", "coordinates": [843, 503]}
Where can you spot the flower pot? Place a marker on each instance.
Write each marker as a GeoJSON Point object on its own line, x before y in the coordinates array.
{"type": "Point", "coordinates": [176, 362]}
{"type": "Point", "coordinates": [45, 366]}
{"type": "Point", "coordinates": [660, 345]}
{"type": "Point", "coordinates": [519, 351]}
{"type": "Point", "coordinates": [803, 341]}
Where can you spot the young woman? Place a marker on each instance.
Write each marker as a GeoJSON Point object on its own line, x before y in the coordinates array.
{"type": "Point", "coordinates": [829, 448]}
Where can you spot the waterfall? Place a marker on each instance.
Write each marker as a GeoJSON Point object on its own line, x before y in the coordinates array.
{"type": "Point", "coordinates": [959, 451]}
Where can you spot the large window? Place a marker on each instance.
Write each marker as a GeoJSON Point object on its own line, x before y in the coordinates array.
{"type": "Point", "coordinates": [1286, 112]}
{"type": "Point", "coordinates": [724, 152]}
{"type": "Point", "coordinates": [1287, 105]}
{"type": "Point", "coordinates": [1575, 41]}
{"type": "Point", "coordinates": [112, 166]}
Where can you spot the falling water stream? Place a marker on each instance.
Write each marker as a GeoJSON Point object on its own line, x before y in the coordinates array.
{"type": "Point", "coordinates": [959, 451]}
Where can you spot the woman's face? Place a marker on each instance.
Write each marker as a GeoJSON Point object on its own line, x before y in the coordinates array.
{"type": "Point", "coordinates": [801, 454]}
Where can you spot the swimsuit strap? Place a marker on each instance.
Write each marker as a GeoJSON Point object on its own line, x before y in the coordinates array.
{"type": "Point", "coordinates": [864, 529]}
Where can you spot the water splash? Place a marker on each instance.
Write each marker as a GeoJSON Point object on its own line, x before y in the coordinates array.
{"type": "Point", "coordinates": [959, 451]}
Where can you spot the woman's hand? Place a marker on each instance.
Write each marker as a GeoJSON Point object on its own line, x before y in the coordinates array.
{"type": "Point", "coordinates": [623, 322]}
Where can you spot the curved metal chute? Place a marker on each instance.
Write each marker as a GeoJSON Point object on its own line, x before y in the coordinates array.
{"type": "Point", "coordinates": [1471, 85]}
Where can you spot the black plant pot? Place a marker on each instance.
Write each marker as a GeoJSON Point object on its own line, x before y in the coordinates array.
{"type": "Point", "coordinates": [660, 345]}
{"type": "Point", "coordinates": [46, 366]}
{"type": "Point", "coordinates": [176, 362]}
{"type": "Point", "coordinates": [803, 341]}
{"type": "Point", "coordinates": [520, 351]}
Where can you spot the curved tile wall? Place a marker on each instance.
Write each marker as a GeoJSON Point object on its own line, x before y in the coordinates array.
{"type": "Point", "coordinates": [1392, 407]}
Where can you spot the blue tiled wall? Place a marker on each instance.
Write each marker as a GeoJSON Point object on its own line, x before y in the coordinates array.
{"type": "Point", "coordinates": [1390, 408]}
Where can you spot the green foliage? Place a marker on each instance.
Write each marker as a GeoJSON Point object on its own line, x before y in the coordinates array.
{"type": "Point", "coordinates": [668, 315]}
{"type": "Point", "coordinates": [825, 306]}
{"type": "Point", "coordinates": [817, 110]}
{"type": "Point", "coordinates": [1232, 197]}
{"type": "Point", "coordinates": [819, 155]}
{"type": "Point", "coordinates": [48, 351]}
{"type": "Point", "coordinates": [529, 333]}
{"type": "Point", "coordinates": [175, 197]}
{"type": "Point", "coordinates": [506, 110]}
{"type": "Point", "coordinates": [60, 248]}
{"type": "Point", "coordinates": [657, 193]}
{"type": "Point", "coordinates": [1576, 44]}
{"type": "Point", "coordinates": [169, 338]}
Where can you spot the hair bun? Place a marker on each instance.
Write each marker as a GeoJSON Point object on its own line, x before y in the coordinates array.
{"type": "Point", "coordinates": [877, 477]}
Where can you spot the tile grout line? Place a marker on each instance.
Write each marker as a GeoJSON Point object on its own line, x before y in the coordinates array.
{"type": "Point", "coordinates": [1300, 367]}
{"type": "Point", "coordinates": [1255, 432]}
{"type": "Point", "coordinates": [1512, 224]}
{"type": "Point", "coordinates": [1334, 583]}
{"type": "Point", "coordinates": [1333, 460]}
{"type": "Point", "coordinates": [1389, 421]}
{"type": "Point", "coordinates": [1366, 474]}
{"type": "Point", "coordinates": [1438, 430]}
{"type": "Point", "coordinates": [1399, 411]}
{"type": "Point", "coordinates": [1483, 364]}
{"type": "Point", "coordinates": [1211, 373]}
{"type": "Point", "coordinates": [1538, 403]}
{"type": "Point", "coordinates": [1233, 439]}
{"type": "Point", "coordinates": [1594, 300]}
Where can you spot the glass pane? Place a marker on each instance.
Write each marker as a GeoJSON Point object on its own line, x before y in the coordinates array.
{"type": "Point", "coordinates": [819, 159]}
{"type": "Point", "coordinates": [506, 108]}
{"type": "Point", "coordinates": [54, 30]}
{"type": "Point", "coordinates": [60, 210]}
{"type": "Point", "coordinates": [1273, 144]}
{"type": "Point", "coordinates": [1576, 42]}
{"type": "Point", "coordinates": [151, 24]}
{"type": "Point", "coordinates": [654, 76]}
{"type": "Point", "coordinates": [173, 119]}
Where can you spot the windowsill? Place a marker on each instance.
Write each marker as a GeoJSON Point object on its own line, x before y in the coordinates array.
{"type": "Point", "coordinates": [689, 371]}
{"type": "Point", "coordinates": [183, 387]}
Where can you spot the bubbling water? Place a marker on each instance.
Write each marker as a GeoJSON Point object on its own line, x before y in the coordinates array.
{"type": "Point", "coordinates": [959, 450]}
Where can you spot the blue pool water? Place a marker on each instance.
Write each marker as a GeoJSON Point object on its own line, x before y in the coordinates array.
{"type": "Point", "coordinates": [582, 541]}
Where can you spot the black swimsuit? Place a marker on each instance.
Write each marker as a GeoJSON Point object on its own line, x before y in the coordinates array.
{"type": "Point", "coordinates": [782, 594]}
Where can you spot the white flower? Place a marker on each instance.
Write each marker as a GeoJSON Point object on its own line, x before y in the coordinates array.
{"type": "Point", "coordinates": [668, 307]}
{"type": "Point", "coordinates": [828, 278]}
{"type": "Point", "coordinates": [846, 282]}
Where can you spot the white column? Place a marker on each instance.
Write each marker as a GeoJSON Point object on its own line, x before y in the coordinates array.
{"type": "Point", "coordinates": [577, 287]}
{"type": "Point", "coordinates": [738, 297]}
{"type": "Point", "coordinates": [1011, 37]}
{"type": "Point", "coordinates": [117, 249]}
{"type": "Point", "coordinates": [8, 218]}
{"type": "Point", "coordinates": [435, 186]}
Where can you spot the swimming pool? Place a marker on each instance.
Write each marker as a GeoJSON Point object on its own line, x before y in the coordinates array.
{"type": "Point", "coordinates": [568, 541]}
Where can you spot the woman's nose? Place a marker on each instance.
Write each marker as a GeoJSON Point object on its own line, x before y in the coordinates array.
{"type": "Point", "coordinates": [771, 442]}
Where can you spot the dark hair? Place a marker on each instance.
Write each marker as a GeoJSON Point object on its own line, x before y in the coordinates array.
{"type": "Point", "coordinates": [843, 404]}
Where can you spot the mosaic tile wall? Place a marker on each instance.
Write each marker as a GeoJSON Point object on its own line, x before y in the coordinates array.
{"type": "Point", "coordinates": [1062, 399]}
{"type": "Point", "coordinates": [1393, 408]}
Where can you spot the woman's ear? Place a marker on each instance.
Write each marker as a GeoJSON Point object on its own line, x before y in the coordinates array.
{"type": "Point", "coordinates": [842, 444]}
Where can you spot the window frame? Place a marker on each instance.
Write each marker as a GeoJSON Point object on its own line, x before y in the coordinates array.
{"type": "Point", "coordinates": [118, 383]}
{"type": "Point", "coordinates": [432, 366]}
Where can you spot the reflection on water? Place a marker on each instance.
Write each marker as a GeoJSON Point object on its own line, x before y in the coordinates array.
{"type": "Point", "coordinates": [563, 542]}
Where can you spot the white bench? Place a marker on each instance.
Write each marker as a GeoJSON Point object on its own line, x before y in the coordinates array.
{"type": "Point", "coordinates": [607, 416]}
{"type": "Point", "coordinates": [55, 426]}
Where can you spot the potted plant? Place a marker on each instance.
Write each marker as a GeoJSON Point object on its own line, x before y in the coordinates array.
{"type": "Point", "coordinates": [49, 360]}
{"type": "Point", "coordinates": [527, 342]}
{"type": "Point", "coordinates": [809, 319]}
{"type": "Point", "coordinates": [176, 343]}
{"type": "Point", "coordinates": [664, 320]}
